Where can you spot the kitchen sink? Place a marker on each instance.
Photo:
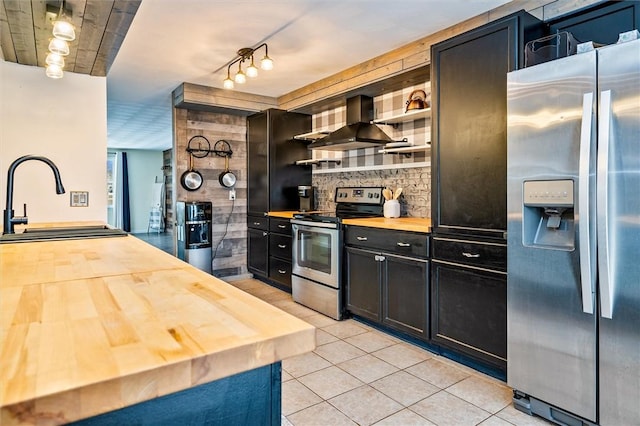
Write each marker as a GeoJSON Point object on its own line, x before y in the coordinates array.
{"type": "Point", "coordinates": [62, 233]}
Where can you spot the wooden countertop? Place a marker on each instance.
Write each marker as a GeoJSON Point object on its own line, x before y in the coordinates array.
{"type": "Point", "coordinates": [283, 214]}
{"type": "Point", "coordinates": [414, 224]}
{"type": "Point", "coordinates": [288, 214]}
{"type": "Point", "coordinates": [90, 326]}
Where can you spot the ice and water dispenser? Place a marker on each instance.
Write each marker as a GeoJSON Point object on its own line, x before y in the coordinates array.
{"type": "Point", "coordinates": [193, 229]}
{"type": "Point", "coordinates": [549, 219]}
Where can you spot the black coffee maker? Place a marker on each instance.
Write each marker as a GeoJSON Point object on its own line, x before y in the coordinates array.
{"type": "Point", "coordinates": [307, 198]}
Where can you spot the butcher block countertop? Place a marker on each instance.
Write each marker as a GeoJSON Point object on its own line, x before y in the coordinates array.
{"type": "Point", "coordinates": [283, 214]}
{"type": "Point", "coordinates": [414, 224]}
{"type": "Point", "coordinates": [90, 326]}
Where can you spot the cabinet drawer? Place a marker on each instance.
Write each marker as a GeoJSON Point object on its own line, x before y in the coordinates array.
{"type": "Point", "coordinates": [258, 222]}
{"type": "Point", "coordinates": [281, 226]}
{"type": "Point", "coordinates": [280, 246]}
{"type": "Point", "coordinates": [473, 253]}
{"type": "Point", "coordinates": [469, 311]}
{"type": "Point", "coordinates": [397, 242]}
{"type": "Point", "coordinates": [280, 271]}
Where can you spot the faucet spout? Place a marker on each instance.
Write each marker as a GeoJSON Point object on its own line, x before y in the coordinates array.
{"type": "Point", "coordinates": [9, 219]}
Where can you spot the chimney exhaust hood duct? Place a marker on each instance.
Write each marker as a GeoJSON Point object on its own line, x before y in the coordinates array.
{"type": "Point", "coordinates": [358, 133]}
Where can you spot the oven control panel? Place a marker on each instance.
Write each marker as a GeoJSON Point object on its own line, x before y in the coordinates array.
{"type": "Point", "coordinates": [359, 195]}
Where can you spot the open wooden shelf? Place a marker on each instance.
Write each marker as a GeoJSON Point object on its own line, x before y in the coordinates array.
{"type": "Point", "coordinates": [405, 149]}
{"type": "Point", "coordinates": [414, 114]}
{"type": "Point", "coordinates": [312, 136]}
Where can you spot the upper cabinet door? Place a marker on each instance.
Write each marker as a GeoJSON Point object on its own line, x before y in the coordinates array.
{"type": "Point", "coordinates": [469, 94]}
{"type": "Point", "coordinates": [257, 164]}
{"type": "Point", "coordinates": [273, 176]}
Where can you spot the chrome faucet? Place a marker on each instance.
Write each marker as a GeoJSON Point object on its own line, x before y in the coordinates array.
{"type": "Point", "coordinates": [9, 219]}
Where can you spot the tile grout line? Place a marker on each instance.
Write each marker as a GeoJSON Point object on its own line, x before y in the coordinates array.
{"type": "Point", "coordinates": [469, 374]}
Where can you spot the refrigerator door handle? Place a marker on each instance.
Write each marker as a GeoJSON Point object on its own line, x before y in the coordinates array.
{"type": "Point", "coordinates": [586, 256]}
{"type": "Point", "coordinates": [606, 283]}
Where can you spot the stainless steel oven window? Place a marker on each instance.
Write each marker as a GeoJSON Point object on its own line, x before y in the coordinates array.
{"type": "Point", "coordinates": [314, 250]}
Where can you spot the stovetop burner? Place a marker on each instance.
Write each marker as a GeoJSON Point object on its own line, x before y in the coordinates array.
{"type": "Point", "coordinates": [351, 202]}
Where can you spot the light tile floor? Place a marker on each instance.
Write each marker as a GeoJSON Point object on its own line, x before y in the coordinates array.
{"type": "Point", "coordinates": [358, 375]}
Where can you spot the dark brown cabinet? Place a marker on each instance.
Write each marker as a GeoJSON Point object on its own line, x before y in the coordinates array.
{"type": "Point", "coordinates": [280, 251]}
{"type": "Point", "coordinates": [272, 181]}
{"type": "Point", "coordinates": [602, 23]}
{"type": "Point", "coordinates": [363, 283]}
{"type": "Point", "coordinates": [405, 300]}
{"type": "Point", "coordinates": [469, 124]}
{"type": "Point", "coordinates": [258, 251]}
{"type": "Point", "coordinates": [469, 180]}
{"type": "Point", "coordinates": [469, 302]}
{"type": "Point", "coordinates": [273, 176]}
{"type": "Point", "coordinates": [387, 278]}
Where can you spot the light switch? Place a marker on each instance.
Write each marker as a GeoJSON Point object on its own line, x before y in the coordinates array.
{"type": "Point", "coordinates": [79, 198]}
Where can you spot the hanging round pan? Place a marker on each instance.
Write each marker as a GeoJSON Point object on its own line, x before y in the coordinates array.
{"type": "Point", "coordinates": [191, 180]}
{"type": "Point", "coordinates": [226, 178]}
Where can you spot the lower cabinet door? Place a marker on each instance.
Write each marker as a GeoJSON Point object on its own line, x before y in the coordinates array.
{"type": "Point", "coordinates": [258, 251]}
{"type": "Point", "coordinates": [406, 294]}
{"type": "Point", "coordinates": [280, 271]}
{"type": "Point", "coordinates": [469, 311]}
{"type": "Point", "coordinates": [362, 272]}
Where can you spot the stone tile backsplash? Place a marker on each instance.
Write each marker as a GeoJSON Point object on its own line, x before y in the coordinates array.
{"type": "Point", "coordinates": [415, 200]}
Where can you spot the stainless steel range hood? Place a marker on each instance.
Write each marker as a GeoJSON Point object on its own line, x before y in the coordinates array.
{"type": "Point", "coordinates": [358, 133]}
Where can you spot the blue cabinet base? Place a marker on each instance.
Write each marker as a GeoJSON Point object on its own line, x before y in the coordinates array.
{"type": "Point", "coordinates": [250, 398]}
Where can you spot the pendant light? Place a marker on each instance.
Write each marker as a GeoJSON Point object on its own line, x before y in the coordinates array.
{"type": "Point", "coordinates": [54, 71]}
{"type": "Point", "coordinates": [59, 47]}
{"type": "Point", "coordinates": [63, 33]}
{"type": "Point", "coordinates": [55, 59]}
{"type": "Point", "coordinates": [62, 28]}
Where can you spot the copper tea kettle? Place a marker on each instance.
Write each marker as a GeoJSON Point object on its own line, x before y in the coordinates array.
{"type": "Point", "coordinates": [417, 100]}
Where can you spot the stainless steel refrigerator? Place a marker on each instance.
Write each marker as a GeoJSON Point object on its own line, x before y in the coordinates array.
{"type": "Point", "coordinates": [573, 185]}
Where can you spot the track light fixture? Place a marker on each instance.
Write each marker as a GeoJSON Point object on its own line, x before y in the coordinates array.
{"type": "Point", "coordinates": [246, 54]}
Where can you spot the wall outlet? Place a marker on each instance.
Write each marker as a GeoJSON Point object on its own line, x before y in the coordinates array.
{"type": "Point", "coordinates": [232, 194]}
{"type": "Point", "coordinates": [79, 199]}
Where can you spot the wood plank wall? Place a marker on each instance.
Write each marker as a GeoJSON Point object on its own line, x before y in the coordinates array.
{"type": "Point", "coordinates": [229, 242]}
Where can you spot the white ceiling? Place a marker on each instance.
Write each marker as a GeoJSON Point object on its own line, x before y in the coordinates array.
{"type": "Point", "coordinates": [176, 41]}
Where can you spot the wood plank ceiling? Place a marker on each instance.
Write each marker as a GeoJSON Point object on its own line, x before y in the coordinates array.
{"type": "Point", "coordinates": [100, 25]}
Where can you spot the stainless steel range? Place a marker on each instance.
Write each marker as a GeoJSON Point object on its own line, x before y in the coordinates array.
{"type": "Point", "coordinates": [317, 249]}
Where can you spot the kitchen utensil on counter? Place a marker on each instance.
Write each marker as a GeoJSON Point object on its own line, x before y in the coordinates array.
{"type": "Point", "coordinates": [397, 193]}
{"type": "Point", "coordinates": [391, 208]}
{"type": "Point", "coordinates": [387, 194]}
{"type": "Point", "coordinates": [417, 100]}
{"type": "Point", "coordinates": [191, 180]}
